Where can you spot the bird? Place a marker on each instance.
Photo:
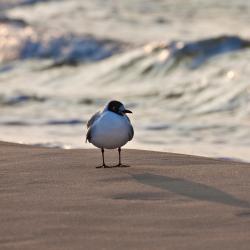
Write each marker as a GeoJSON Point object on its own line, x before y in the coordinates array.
{"type": "Point", "coordinates": [110, 129]}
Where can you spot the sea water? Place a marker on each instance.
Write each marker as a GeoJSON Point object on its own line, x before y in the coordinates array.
{"type": "Point", "coordinates": [181, 66]}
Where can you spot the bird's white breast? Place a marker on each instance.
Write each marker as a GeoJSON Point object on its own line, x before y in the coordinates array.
{"type": "Point", "coordinates": [110, 131]}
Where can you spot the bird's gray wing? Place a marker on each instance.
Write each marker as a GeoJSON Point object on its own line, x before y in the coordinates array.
{"type": "Point", "coordinates": [131, 130]}
{"type": "Point", "coordinates": [90, 123]}
{"type": "Point", "coordinates": [88, 135]}
{"type": "Point", "coordinates": [93, 119]}
{"type": "Point", "coordinates": [131, 133]}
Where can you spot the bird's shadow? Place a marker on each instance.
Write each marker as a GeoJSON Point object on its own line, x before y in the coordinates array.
{"type": "Point", "coordinates": [190, 189]}
{"type": "Point", "coordinates": [183, 187]}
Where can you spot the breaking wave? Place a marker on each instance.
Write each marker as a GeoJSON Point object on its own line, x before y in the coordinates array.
{"type": "Point", "coordinates": [20, 41]}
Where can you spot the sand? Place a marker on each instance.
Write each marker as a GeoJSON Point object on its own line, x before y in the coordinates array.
{"type": "Point", "coordinates": [57, 199]}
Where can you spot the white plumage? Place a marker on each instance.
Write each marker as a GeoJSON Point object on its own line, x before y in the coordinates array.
{"type": "Point", "coordinates": [110, 131]}
{"type": "Point", "coordinates": [111, 128]}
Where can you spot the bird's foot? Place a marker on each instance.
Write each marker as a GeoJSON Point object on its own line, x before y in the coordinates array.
{"type": "Point", "coordinates": [103, 166]}
{"type": "Point", "coordinates": [115, 166]}
{"type": "Point", "coordinates": [119, 165]}
{"type": "Point", "coordinates": [99, 166]}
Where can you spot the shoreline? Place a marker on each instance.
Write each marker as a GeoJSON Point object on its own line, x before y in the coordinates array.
{"type": "Point", "coordinates": [199, 149]}
{"type": "Point", "coordinates": [56, 199]}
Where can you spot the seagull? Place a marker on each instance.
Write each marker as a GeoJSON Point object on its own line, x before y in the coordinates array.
{"type": "Point", "coordinates": [110, 129]}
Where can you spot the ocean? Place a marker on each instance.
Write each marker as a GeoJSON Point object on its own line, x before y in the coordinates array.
{"type": "Point", "coordinates": [181, 66]}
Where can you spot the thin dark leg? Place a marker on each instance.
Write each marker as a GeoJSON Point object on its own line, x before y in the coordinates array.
{"type": "Point", "coordinates": [119, 151]}
{"type": "Point", "coordinates": [103, 162]}
{"type": "Point", "coordinates": [120, 162]}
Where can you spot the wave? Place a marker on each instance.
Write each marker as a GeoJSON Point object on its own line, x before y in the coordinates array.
{"type": "Point", "coordinates": [26, 99]}
{"type": "Point", "coordinates": [200, 51]}
{"type": "Point", "coordinates": [56, 122]}
{"type": "Point", "coordinates": [184, 77]}
{"type": "Point", "coordinates": [164, 57]}
{"type": "Point", "coordinates": [13, 21]}
{"type": "Point", "coordinates": [6, 4]}
{"type": "Point", "coordinates": [20, 42]}
{"type": "Point", "coordinates": [20, 99]}
{"type": "Point", "coordinates": [70, 49]}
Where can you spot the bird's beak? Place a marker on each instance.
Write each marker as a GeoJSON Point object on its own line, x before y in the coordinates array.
{"type": "Point", "coordinates": [127, 111]}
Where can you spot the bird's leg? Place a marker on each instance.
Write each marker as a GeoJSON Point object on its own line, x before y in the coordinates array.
{"type": "Point", "coordinates": [119, 151]}
{"type": "Point", "coordinates": [103, 162]}
{"type": "Point", "coordinates": [120, 162]}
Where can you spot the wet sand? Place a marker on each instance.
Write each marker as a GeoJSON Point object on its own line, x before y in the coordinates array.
{"type": "Point", "coordinates": [57, 199]}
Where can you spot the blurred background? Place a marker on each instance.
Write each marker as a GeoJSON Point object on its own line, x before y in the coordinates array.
{"type": "Point", "coordinates": [182, 66]}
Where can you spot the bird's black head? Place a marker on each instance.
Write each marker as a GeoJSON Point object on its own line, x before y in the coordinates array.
{"type": "Point", "coordinates": [117, 107]}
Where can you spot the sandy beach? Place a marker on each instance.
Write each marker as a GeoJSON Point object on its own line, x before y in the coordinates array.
{"type": "Point", "coordinates": [57, 199]}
